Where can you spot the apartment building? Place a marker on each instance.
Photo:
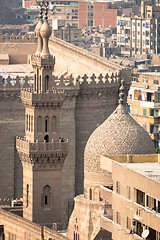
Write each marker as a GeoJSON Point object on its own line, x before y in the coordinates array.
{"type": "Point", "coordinates": [138, 35]}
{"type": "Point", "coordinates": [135, 197]}
{"type": "Point", "coordinates": [64, 10]}
{"type": "Point", "coordinates": [144, 106]}
{"type": "Point", "coordinates": [96, 14]}
{"type": "Point", "coordinates": [28, 3]}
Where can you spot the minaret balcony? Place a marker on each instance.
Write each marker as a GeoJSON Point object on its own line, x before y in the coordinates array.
{"type": "Point", "coordinates": [56, 148]}
{"type": "Point", "coordinates": [38, 60]}
{"type": "Point", "coordinates": [49, 98]}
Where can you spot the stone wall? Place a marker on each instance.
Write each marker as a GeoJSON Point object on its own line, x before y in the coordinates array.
{"type": "Point", "coordinates": [17, 47]}
{"type": "Point", "coordinates": [18, 228]}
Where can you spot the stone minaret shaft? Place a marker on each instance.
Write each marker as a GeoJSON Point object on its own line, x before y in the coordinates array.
{"type": "Point", "coordinates": [41, 152]}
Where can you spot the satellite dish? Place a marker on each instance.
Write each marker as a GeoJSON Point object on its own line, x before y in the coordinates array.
{"type": "Point", "coordinates": [145, 233]}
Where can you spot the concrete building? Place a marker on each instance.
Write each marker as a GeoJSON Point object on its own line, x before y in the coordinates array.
{"type": "Point", "coordinates": [66, 11]}
{"type": "Point", "coordinates": [96, 14]}
{"type": "Point", "coordinates": [143, 103]}
{"type": "Point", "coordinates": [137, 35]}
{"type": "Point", "coordinates": [70, 35]}
{"type": "Point", "coordinates": [28, 3]}
{"type": "Point", "coordinates": [135, 199]}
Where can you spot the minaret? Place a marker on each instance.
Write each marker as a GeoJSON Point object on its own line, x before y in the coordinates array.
{"type": "Point", "coordinates": [42, 152]}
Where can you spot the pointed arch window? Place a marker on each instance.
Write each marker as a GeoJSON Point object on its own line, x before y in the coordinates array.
{"type": "Point", "coordinates": [46, 124]}
{"type": "Point", "coordinates": [35, 78]}
{"type": "Point", "coordinates": [27, 122]}
{"type": "Point", "coordinates": [46, 197]}
{"type": "Point", "coordinates": [46, 83]}
{"type": "Point", "coordinates": [31, 123]}
{"type": "Point", "coordinates": [27, 194]}
{"type": "Point", "coordinates": [39, 124]}
{"type": "Point", "coordinates": [40, 84]}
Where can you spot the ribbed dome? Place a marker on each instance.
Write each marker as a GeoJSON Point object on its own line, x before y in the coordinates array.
{"type": "Point", "coordinates": [119, 134]}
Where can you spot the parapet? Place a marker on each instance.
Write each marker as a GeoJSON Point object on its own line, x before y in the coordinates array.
{"type": "Point", "coordinates": [15, 83]}
{"type": "Point", "coordinates": [40, 153]}
{"type": "Point", "coordinates": [17, 38]}
{"type": "Point", "coordinates": [49, 98]}
{"type": "Point", "coordinates": [87, 82]}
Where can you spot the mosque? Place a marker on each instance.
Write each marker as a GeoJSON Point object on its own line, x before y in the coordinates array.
{"type": "Point", "coordinates": [118, 146]}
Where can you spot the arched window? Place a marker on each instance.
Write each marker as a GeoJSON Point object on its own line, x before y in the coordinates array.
{"type": "Point", "coordinates": [40, 84]}
{"type": "Point", "coordinates": [37, 78]}
{"type": "Point", "coordinates": [90, 194]}
{"type": "Point", "coordinates": [46, 124]}
{"type": "Point", "coordinates": [39, 124]}
{"type": "Point", "coordinates": [27, 122]}
{"type": "Point", "coordinates": [32, 124]}
{"type": "Point", "coordinates": [27, 194]}
{"type": "Point", "coordinates": [46, 83]}
{"type": "Point", "coordinates": [54, 124]}
{"type": "Point", "coordinates": [46, 197]}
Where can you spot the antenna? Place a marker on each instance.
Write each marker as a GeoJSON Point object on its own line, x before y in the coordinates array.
{"type": "Point", "coordinates": [145, 233]}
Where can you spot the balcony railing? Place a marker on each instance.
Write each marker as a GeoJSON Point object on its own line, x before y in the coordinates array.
{"type": "Point", "coordinates": [41, 147]}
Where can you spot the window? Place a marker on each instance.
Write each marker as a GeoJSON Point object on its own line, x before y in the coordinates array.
{"type": "Point", "coordinates": [155, 82]}
{"type": "Point", "coordinates": [39, 124]}
{"type": "Point", "coordinates": [118, 220]}
{"type": "Point", "coordinates": [27, 122]}
{"type": "Point", "coordinates": [27, 194]}
{"type": "Point", "coordinates": [117, 187]}
{"type": "Point", "coordinates": [40, 84]}
{"type": "Point", "coordinates": [32, 124]}
{"type": "Point", "coordinates": [46, 123]}
{"type": "Point", "coordinates": [46, 83]}
{"type": "Point", "coordinates": [90, 194]}
{"type": "Point", "coordinates": [35, 82]}
{"type": "Point", "coordinates": [147, 202]}
{"type": "Point", "coordinates": [136, 111]}
{"type": "Point", "coordinates": [156, 113]}
{"type": "Point", "coordinates": [144, 112]}
{"type": "Point", "coordinates": [46, 197]}
{"type": "Point", "coordinates": [158, 206]}
{"type": "Point", "coordinates": [151, 112]}
{"type": "Point", "coordinates": [154, 205]}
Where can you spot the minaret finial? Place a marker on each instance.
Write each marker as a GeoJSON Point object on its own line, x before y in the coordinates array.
{"type": "Point", "coordinates": [46, 11]}
{"type": "Point", "coordinates": [45, 33]}
{"type": "Point", "coordinates": [38, 28]}
{"type": "Point", "coordinates": [121, 94]}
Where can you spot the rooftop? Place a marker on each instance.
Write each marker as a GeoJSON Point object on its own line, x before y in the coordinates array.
{"type": "Point", "coordinates": [15, 70]}
{"type": "Point", "coordinates": [149, 169]}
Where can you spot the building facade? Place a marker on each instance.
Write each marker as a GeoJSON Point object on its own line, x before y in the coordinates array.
{"type": "Point", "coordinates": [143, 103]}
{"type": "Point", "coordinates": [135, 199]}
{"type": "Point", "coordinates": [137, 35]}
{"type": "Point", "coordinates": [96, 14]}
